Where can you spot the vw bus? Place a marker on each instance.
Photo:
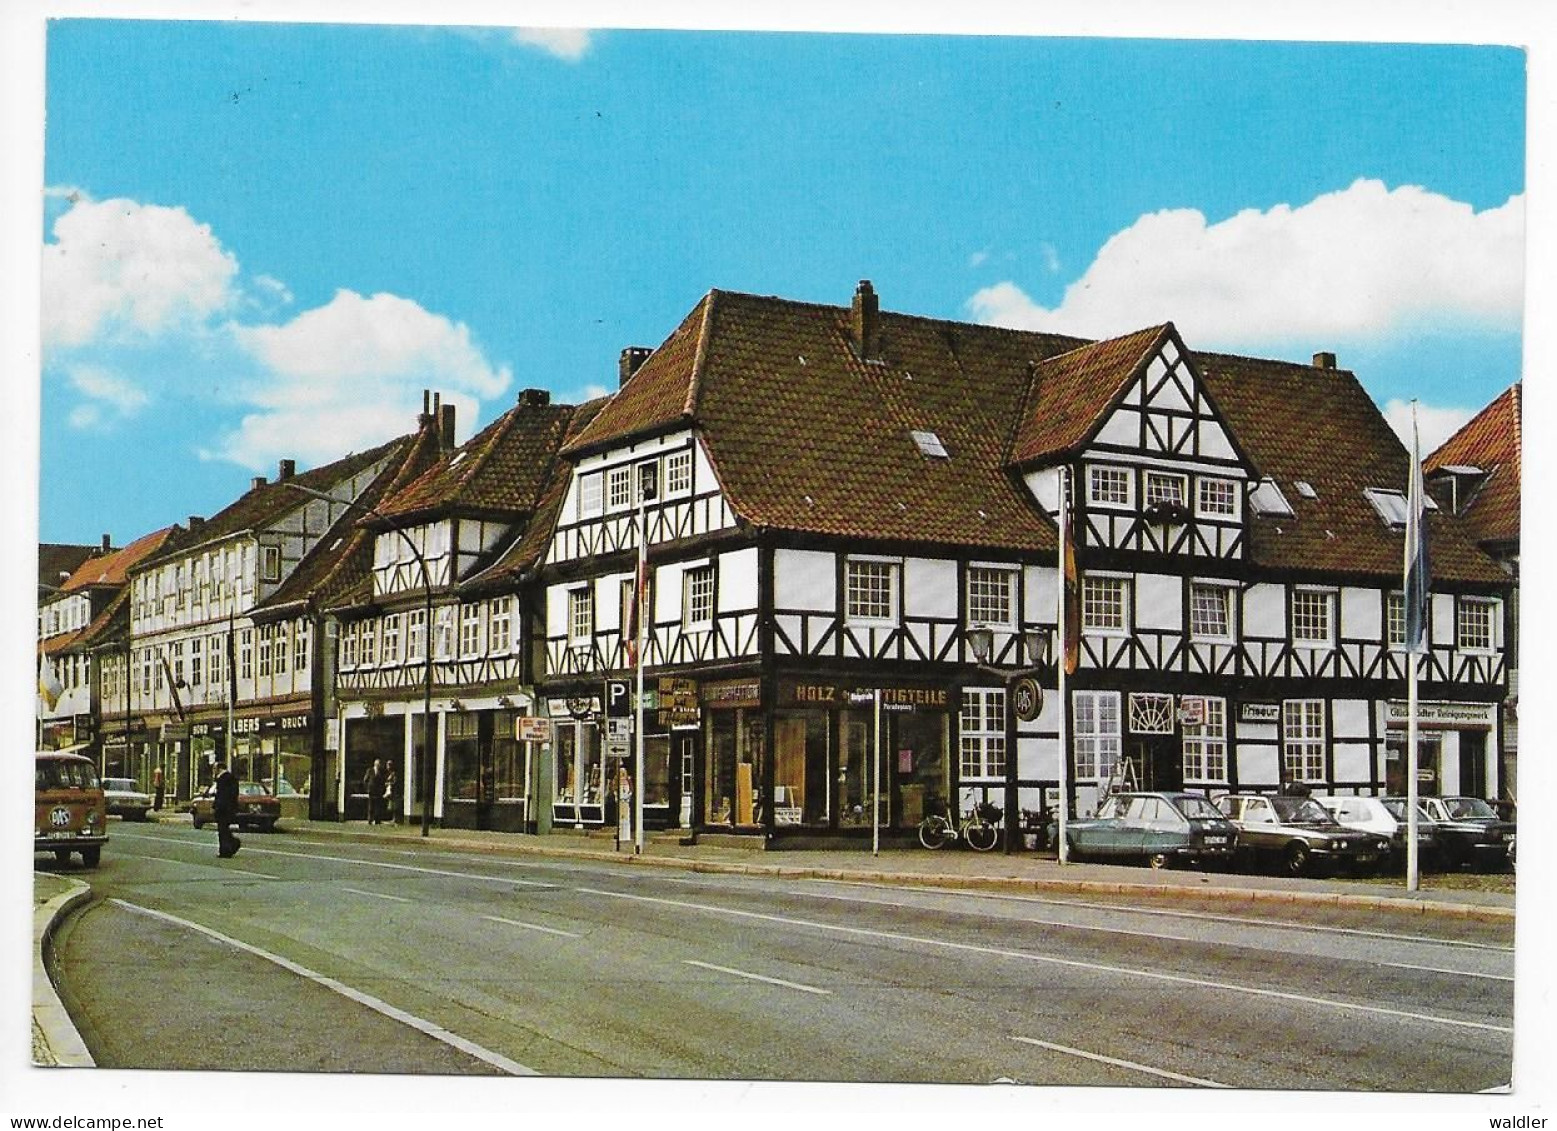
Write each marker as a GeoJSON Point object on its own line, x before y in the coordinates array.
{"type": "Point", "coordinates": [72, 814]}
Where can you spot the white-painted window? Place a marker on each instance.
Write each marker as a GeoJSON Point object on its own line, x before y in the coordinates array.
{"type": "Point", "coordinates": [1210, 611]}
{"type": "Point", "coordinates": [1105, 604]}
{"type": "Point", "coordinates": [369, 652]}
{"type": "Point", "coordinates": [1313, 616]}
{"type": "Point", "coordinates": [500, 624]}
{"type": "Point", "coordinates": [1474, 625]}
{"type": "Point", "coordinates": [1205, 745]}
{"type": "Point", "coordinates": [270, 563]}
{"type": "Point", "coordinates": [1166, 488]}
{"type": "Point", "coordinates": [281, 646]}
{"type": "Point", "coordinates": [982, 735]}
{"type": "Point", "coordinates": [991, 599]}
{"type": "Point", "coordinates": [300, 643]}
{"type": "Point", "coordinates": [581, 616]}
{"type": "Point", "coordinates": [416, 635]}
{"type": "Point", "coordinates": [392, 638]}
{"type": "Point", "coordinates": [1110, 486]}
{"type": "Point", "coordinates": [698, 598]}
{"type": "Point", "coordinates": [1303, 739]}
{"type": "Point", "coordinates": [619, 488]}
{"type": "Point", "coordinates": [1216, 498]}
{"type": "Point", "coordinates": [871, 590]}
{"type": "Point", "coordinates": [470, 630]}
{"type": "Point", "coordinates": [1395, 620]}
{"type": "Point", "coordinates": [591, 496]}
{"type": "Point", "coordinates": [1099, 732]}
{"type": "Point", "coordinates": [246, 654]}
{"type": "Point", "coordinates": [678, 473]}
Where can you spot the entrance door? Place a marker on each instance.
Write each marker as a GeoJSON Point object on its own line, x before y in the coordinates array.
{"type": "Point", "coordinates": [1473, 763]}
{"type": "Point", "coordinates": [1159, 762]}
{"type": "Point", "coordinates": [684, 761]}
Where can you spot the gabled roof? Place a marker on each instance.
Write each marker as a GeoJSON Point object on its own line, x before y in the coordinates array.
{"type": "Point", "coordinates": [1300, 422]}
{"type": "Point", "coordinates": [1070, 394]}
{"type": "Point", "coordinates": [1491, 441]}
{"type": "Point", "coordinates": [111, 569]}
{"type": "Point", "coordinates": [57, 561]}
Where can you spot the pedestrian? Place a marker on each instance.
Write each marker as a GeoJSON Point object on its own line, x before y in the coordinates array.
{"type": "Point", "coordinates": [158, 789]}
{"type": "Point", "coordinates": [375, 787]}
{"type": "Point", "coordinates": [391, 784]}
{"type": "Point", "coordinates": [224, 808]}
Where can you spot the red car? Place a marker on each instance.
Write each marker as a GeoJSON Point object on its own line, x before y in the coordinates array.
{"type": "Point", "coordinates": [258, 808]}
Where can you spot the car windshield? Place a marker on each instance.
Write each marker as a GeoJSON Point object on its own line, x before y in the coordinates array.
{"type": "Point", "coordinates": [1462, 807]}
{"type": "Point", "coordinates": [66, 773]}
{"type": "Point", "coordinates": [1301, 810]}
{"type": "Point", "coordinates": [1197, 808]}
{"type": "Point", "coordinates": [252, 789]}
{"type": "Point", "coordinates": [123, 785]}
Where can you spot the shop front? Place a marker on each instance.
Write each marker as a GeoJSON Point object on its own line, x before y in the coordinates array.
{"type": "Point", "coordinates": [579, 775]}
{"type": "Point", "coordinates": [488, 765]}
{"type": "Point", "coordinates": [1453, 740]}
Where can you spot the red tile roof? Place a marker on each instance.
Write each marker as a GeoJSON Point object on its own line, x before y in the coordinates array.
{"type": "Point", "coordinates": [112, 568]}
{"type": "Point", "coordinates": [1491, 441]}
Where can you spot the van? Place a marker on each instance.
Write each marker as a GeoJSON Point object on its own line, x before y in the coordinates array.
{"type": "Point", "coordinates": [72, 813]}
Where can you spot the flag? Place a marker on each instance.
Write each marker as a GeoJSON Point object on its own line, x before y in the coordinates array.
{"type": "Point", "coordinates": [49, 686]}
{"type": "Point", "coordinates": [1417, 580]}
{"type": "Point", "coordinates": [167, 670]}
{"type": "Point", "coordinates": [1072, 627]}
{"type": "Point", "coordinates": [636, 601]}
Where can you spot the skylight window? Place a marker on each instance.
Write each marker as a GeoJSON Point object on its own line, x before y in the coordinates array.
{"type": "Point", "coordinates": [1268, 501]}
{"type": "Point", "coordinates": [930, 446]}
{"type": "Point", "coordinates": [1306, 489]}
{"type": "Point", "coordinates": [455, 462]}
{"type": "Point", "coordinates": [1392, 506]}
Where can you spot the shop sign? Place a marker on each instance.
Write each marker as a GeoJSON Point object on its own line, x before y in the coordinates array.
{"type": "Point", "coordinates": [285, 722]}
{"type": "Point", "coordinates": [246, 726]}
{"type": "Point", "coordinates": [678, 702]}
{"type": "Point", "coordinates": [574, 707]}
{"type": "Point", "coordinates": [85, 728]}
{"type": "Point", "coordinates": [806, 693]}
{"type": "Point", "coordinates": [1260, 713]}
{"type": "Point", "coordinates": [173, 732]}
{"type": "Point", "coordinates": [332, 734]}
{"type": "Point", "coordinates": [206, 730]}
{"type": "Point", "coordinates": [1192, 710]}
{"type": "Point", "coordinates": [1443, 715]}
{"type": "Point", "coordinates": [532, 729]}
{"type": "Point", "coordinates": [731, 693]}
{"type": "Point", "coordinates": [1027, 699]}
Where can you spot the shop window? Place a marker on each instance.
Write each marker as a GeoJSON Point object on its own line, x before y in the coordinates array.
{"type": "Point", "coordinates": [507, 760]}
{"type": "Point", "coordinates": [1205, 744]}
{"type": "Point", "coordinates": [1099, 733]}
{"type": "Point", "coordinates": [1303, 739]}
{"type": "Point", "coordinates": [982, 735]}
{"type": "Point", "coordinates": [800, 776]}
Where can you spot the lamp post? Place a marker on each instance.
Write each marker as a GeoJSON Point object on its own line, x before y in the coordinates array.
{"type": "Point", "coordinates": [424, 771]}
{"type": "Point", "coordinates": [981, 642]}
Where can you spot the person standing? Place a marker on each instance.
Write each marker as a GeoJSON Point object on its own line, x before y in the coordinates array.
{"type": "Point", "coordinates": [224, 808]}
{"type": "Point", "coordinates": [391, 784]}
{"type": "Point", "coordinates": [375, 787]}
{"type": "Point", "coordinates": [159, 790]}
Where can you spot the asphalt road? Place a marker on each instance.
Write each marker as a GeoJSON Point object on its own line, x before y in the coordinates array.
{"type": "Point", "coordinates": [305, 954]}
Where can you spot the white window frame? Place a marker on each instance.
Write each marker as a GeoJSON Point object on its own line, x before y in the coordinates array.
{"type": "Point", "coordinates": [1092, 586]}
{"type": "Point", "coordinates": [300, 641]}
{"type": "Point", "coordinates": [416, 635]}
{"type": "Point", "coordinates": [1327, 600]}
{"type": "Point", "coordinates": [267, 636]}
{"type": "Point", "coordinates": [1205, 502]}
{"type": "Point", "coordinates": [470, 630]}
{"type": "Point", "coordinates": [591, 494]}
{"type": "Point", "coordinates": [1482, 606]}
{"type": "Point", "coordinates": [619, 487]}
{"type": "Point", "coordinates": [500, 625]}
{"type": "Point", "coordinates": [368, 654]}
{"type": "Point", "coordinates": [1224, 595]}
{"type": "Point", "coordinates": [697, 597]}
{"type": "Point", "coordinates": [1395, 620]}
{"type": "Point", "coordinates": [998, 585]}
{"type": "Point", "coordinates": [280, 648]}
{"type": "Point", "coordinates": [678, 473]}
{"type": "Point", "coordinates": [246, 654]}
{"type": "Point", "coordinates": [1303, 740]}
{"type": "Point", "coordinates": [1155, 478]}
{"type": "Point", "coordinates": [1205, 745]}
{"type": "Point", "coordinates": [581, 616]}
{"type": "Point", "coordinates": [981, 735]}
{"type": "Point", "coordinates": [1099, 498]}
{"type": "Point", "coordinates": [855, 571]}
{"type": "Point", "coordinates": [1098, 746]}
{"type": "Point", "coordinates": [391, 647]}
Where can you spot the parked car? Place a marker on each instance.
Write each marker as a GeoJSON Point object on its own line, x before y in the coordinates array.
{"type": "Point", "coordinates": [1470, 831]}
{"type": "Point", "coordinates": [258, 808]}
{"type": "Point", "coordinates": [125, 799]}
{"type": "Point", "coordinates": [70, 812]}
{"type": "Point", "coordinates": [1160, 828]}
{"type": "Point", "coordinates": [1386, 817]}
{"type": "Point", "coordinates": [1296, 834]}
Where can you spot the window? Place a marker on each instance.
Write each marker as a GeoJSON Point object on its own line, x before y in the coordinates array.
{"type": "Point", "coordinates": [146, 666]}
{"type": "Point", "coordinates": [270, 562]}
{"type": "Point", "coordinates": [178, 662]}
{"type": "Point", "coordinates": [990, 596]}
{"type": "Point", "coordinates": [416, 635]}
{"type": "Point", "coordinates": [982, 735]}
{"type": "Point", "coordinates": [1311, 616]}
{"type": "Point", "coordinates": [678, 473]}
{"type": "Point", "coordinates": [1305, 488]}
{"type": "Point", "coordinates": [1268, 501]}
{"type": "Point", "coordinates": [1109, 487]}
{"type": "Point", "coordinates": [581, 616]}
{"type": "Point", "coordinates": [246, 654]}
{"type": "Point", "coordinates": [300, 646]}
{"type": "Point", "coordinates": [619, 488]}
{"type": "Point", "coordinates": [1395, 620]}
{"type": "Point", "coordinates": [1393, 506]}
{"type": "Point", "coordinates": [392, 638]}
{"type": "Point", "coordinates": [369, 647]}
{"type": "Point", "coordinates": [1216, 498]}
{"type": "Point", "coordinates": [930, 446]}
{"type": "Point", "coordinates": [216, 649]}
{"type": "Point", "coordinates": [267, 634]}
{"type": "Point", "coordinates": [281, 648]}
{"type": "Point", "coordinates": [871, 590]}
{"type": "Point", "coordinates": [498, 625]}
{"type": "Point", "coordinates": [590, 496]}
{"type": "Point", "coordinates": [1473, 624]}
{"type": "Point", "coordinates": [1099, 735]}
{"type": "Point", "coordinates": [1167, 489]}
{"type": "Point", "coordinates": [698, 600]}
{"type": "Point", "coordinates": [470, 630]}
{"type": "Point", "coordinates": [1205, 746]}
{"type": "Point", "coordinates": [1105, 604]}
{"type": "Point", "coordinates": [1303, 739]}
{"type": "Point", "coordinates": [1210, 611]}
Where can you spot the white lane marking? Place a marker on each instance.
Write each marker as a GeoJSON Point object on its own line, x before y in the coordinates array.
{"type": "Point", "coordinates": [421, 1025]}
{"type": "Point", "coordinates": [1441, 970]}
{"type": "Point", "coordinates": [1130, 1064]}
{"type": "Point", "coordinates": [377, 895]}
{"type": "Point", "coordinates": [404, 868]}
{"type": "Point", "coordinates": [1071, 963]}
{"type": "Point", "coordinates": [531, 926]}
{"type": "Point", "coordinates": [756, 977]}
{"type": "Point", "coordinates": [201, 864]}
{"type": "Point", "coordinates": [1246, 920]}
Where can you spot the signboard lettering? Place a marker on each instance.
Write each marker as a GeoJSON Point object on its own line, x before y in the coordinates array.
{"type": "Point", "coordinates": [618, 698]}
{"type": "Point", "coordinates": [678, 702]}
{"type": "Point", "coordinates": [1260, 713]}
{"type": "Point", "coordinates": [1443, 715]}
{"type": "Point", "coordinates": [899, 698]}
{"type": "Point", "coordinates": [532, 729]}
{"type": "Point", "coordinates": [732, 693]}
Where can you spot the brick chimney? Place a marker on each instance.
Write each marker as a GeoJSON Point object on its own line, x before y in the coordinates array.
{"type": "Point", "coordinates": [1324, 361]}
{"type": "Point", "coordinates": [866, 322]}
{"type": "Point", "coordinates": [630, 362]}
{"type": "Point", "coordinates": [286, 470]}
{"type": "Point", "coordinates": [534, 398]}
{"type": "Point", "coordinates": [108, 544]}
{"type": "Point", "coordinates": [256, 483]}
{"type": "Point", "coordinates": [196, 521]}
{"type": "Point", "coordinates": [446, 428]}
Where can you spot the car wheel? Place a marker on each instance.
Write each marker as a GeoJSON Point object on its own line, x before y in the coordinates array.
{"type": "Point", "coordinates": [268, 827]}
{"type": "Point", "coordinates": [196, 821]}
{"type": "Point", "coordinates": [62, 855]}
{"type": "Point", "coordinates": [91, 856]}
{"type": "Point", "coordinates": [1159, 860]}
{"type": "Point", "coordinates": [1296, 859]}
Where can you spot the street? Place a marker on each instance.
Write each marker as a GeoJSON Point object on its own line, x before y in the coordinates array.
{"type": "Point", "coordinates": [312, 954]}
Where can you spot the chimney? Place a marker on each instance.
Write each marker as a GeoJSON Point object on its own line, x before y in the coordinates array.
{"type": "Point", "coordinates": [287, 469]}
{"type": "Point", "coordinates": [1324, 361]}
{"type": "Point", "coordinates": [196, 521]}
{"type": "Point", "coordinates": [866, 322]}
{"type": "Point", "coordinates": [425, 418]}
{"type": "Point", "coordinates": [446, 428]}
{"type": "Point", "coordinates": [108, 544]}
{"type": "Point", "coordinates": [256, 483]}
{"type": "Point", "coordinates": [534, 398]}
{"type": "Point", "coordinates": [630, 362]}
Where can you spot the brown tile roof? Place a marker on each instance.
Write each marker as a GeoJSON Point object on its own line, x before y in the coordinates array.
{"type": "Point", "coordinates": [1491, 440]}
{"type": "Point", "coordinates": [112, 568]}
{"type": "Point", "coordinates": [1071, 392]}
{"type": "Point", "coordinates": [1298, 422]}
{"type": "Point", "coordinates": [57, 561]}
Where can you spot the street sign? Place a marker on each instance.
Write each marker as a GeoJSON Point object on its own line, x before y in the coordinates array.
{"type": "Point", "coordinates": [618, 748]}
{"type": "Point", "coordinates": [532, 729]}
{"type": "Point", "coordinates": [1027, 699]}
{"type": "Point", "coordinates": [618, 698]}
{"type": "Point", "coordinates": [1192, 710]}
{"type": "Point", "coordinates": [619, 729]}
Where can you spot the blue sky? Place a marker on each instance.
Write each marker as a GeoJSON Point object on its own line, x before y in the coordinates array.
{"type": "Point", "coordinates": [264, 240]}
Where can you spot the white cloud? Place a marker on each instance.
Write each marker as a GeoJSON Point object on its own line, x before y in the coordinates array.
{"type": "Point", "coordinates": [119, 265]}
{"type": "Point", "coordinates": [978, 259]}
{"type": "Point", "coordinates": [1366, 263]}
{"type": "Point", "coordinates": [1051, 258]}
{"type": "Point", "coordinates": [571, 44]}
{"type": "Point", "coordinates": [1435, 423]}
{"type": "Point", "coordinates": [107, 388]}
{"type": "Point", "coordinates": [86, 417]}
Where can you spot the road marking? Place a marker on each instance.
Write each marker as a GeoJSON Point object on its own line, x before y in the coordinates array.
{"type": "Point", "coordinates": [1201, 915]}
{"type": "Point", "coordinates": [1441, 970]}
{"type": "Point", "coordinates": [421, 1025]}
{"type": "Point", "coordinates": [377, 895]}
{"type": "Point", "coordinates": [531, 926]}
{"type": "Point", "coordinates": [1070, 963]}
{"type": "Point", "coordinates": [1130, 1064]}
{"type": "Point", "coordinates": [756, 977]}
{"type": "Point", "coordinates": [199, 864]}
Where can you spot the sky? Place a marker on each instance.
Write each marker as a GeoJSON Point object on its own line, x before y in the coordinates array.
{"type": "Point", "coordinates": [263, 241]}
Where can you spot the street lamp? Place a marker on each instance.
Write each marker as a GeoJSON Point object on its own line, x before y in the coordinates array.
{"type": "Point", "coordinates": [981, 642]}
{"type": "Point", "coordinates": [424, 771]}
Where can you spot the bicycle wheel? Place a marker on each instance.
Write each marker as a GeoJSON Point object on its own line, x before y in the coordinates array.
{"type": "Point", "coordinates": [933, 831]}
{"type": "Point", "coordinates": [982, 836]}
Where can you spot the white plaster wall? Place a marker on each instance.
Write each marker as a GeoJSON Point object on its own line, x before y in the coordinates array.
{"type": "Point", "coordinates": [805, 579]}
{"type": "Point", "coordinates": [1265, 611]}
{"type": "Point", "coordinates": [929, 587]}
{"type": "Point", "coordinates": [737, 574]}
{"type": "Point", "coordinates": [1349, 718]}
{"type": "Point", "coordinates": [1159, 602]}
{"type": "Point", "coordinates": [1362, 613]}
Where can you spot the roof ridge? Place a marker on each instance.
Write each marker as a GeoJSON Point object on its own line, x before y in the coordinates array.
{"type": "Point", "coordinates": [700, 356]}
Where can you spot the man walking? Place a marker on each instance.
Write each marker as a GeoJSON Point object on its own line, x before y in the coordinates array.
{"type": "Point", "coordinates": [224, 808]}
{"type": "Point", "coordinates": [375, 785]}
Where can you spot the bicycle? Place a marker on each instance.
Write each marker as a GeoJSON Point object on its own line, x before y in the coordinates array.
{"type": "Point", "coordinates": [979, 828]}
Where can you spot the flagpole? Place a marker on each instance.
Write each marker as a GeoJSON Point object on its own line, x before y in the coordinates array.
{"type": "Point", "coordinates": [1061, 637]}
{"type": "Point", "coordinates": [640, 587]}
{"type": "Point", "coordinates": [1415, 584]}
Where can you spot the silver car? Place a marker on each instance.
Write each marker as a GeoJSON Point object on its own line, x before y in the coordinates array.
{"type": "Point", "coordinates": [1386, 816]}
{"type": "Point", "coordinates": [125, 798]}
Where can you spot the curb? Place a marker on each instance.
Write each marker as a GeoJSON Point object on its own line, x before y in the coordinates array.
{"type": "Point", "coordinates": [1018, 884]}
{"type": "Point", "coordinates": [56, 1042]}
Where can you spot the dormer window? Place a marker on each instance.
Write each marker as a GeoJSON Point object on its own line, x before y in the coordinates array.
{"type": "Point", "coordinates": [1268, 501]}
{"type": "Point", "coordinates": [1305, 489]}
{"type": "Point", "coordinates": [930, 446]}
{"type": "Point", "coordinates": [1392, 506]}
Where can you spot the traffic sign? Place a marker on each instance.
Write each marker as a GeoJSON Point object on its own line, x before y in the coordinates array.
{"type": "Point", "coordinates": [618, 698]}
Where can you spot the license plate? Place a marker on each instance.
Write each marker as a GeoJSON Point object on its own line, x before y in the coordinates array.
{"type": "Point", "coordinates": [1364, 857]}
{"type": "Point", "coordinates": [1216, 840]}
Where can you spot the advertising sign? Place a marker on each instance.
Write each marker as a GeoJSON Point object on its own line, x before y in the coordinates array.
{"type": "Point", "coordinates": [528, 729]}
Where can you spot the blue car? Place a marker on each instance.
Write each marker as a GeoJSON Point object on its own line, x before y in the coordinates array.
{"type": "Point", "coordinates": [1161, 829]}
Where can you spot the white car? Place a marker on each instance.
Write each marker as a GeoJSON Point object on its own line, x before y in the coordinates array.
{"type": "Point", "coordinates": [1385, 816]}
{"type": "Point", "coordinates": [125, 798]}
